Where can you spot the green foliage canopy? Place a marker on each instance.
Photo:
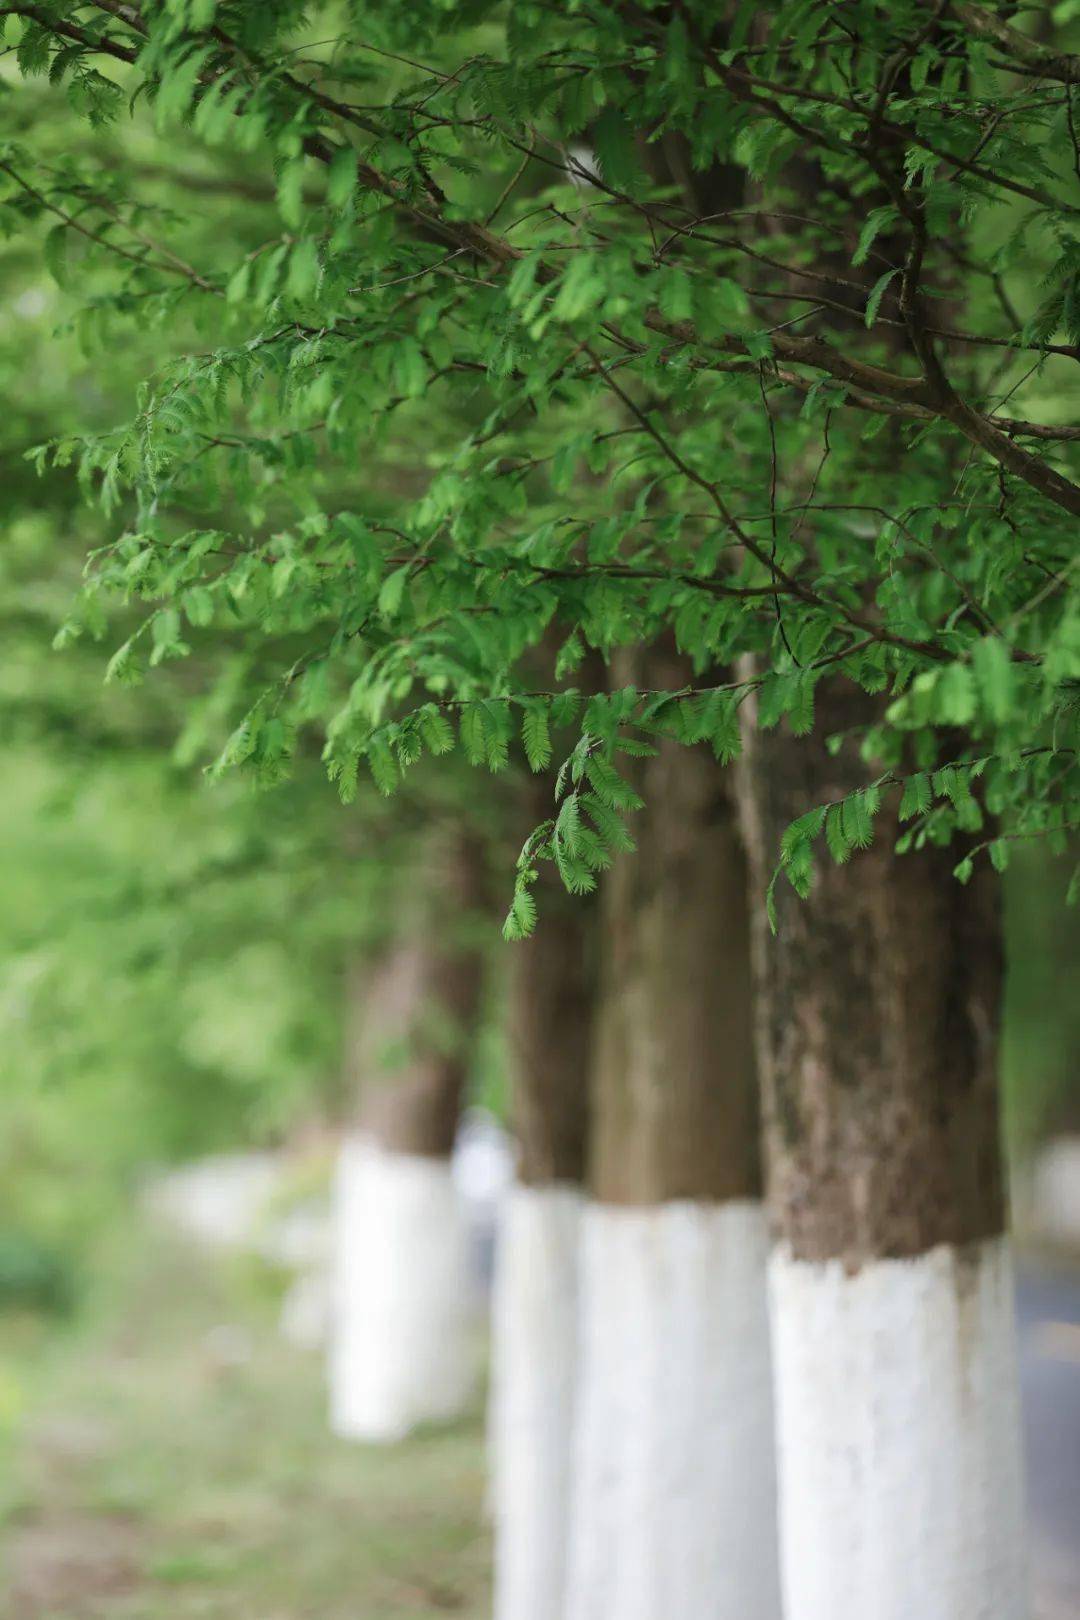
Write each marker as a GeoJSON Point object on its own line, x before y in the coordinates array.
{"type": "Point", "coordinates": [754, 331]}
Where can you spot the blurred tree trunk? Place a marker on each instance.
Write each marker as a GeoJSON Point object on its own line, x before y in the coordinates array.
{"type": "Point", "coordinates": [891, 1289]}
{"type": "Point", "coordinates": [401, 1350]}
{"type": "Point", "coordinates": [675, 1492]}
{"type": "Point", "coordinates": [550, 1019]}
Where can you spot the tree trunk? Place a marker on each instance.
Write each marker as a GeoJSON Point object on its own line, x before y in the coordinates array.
{"type": "Point", "coordinates": [402, 1349]}
{"type": "Point", "coordinates": [896, 1380]}
{"type": "Point", "coordinates": [536, 1284]}
{"type": "Point", "coordinates": [675, 1493]}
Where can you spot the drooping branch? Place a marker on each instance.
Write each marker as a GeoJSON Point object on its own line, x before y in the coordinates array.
{"type": "Point", "coordinates": [432, 214]}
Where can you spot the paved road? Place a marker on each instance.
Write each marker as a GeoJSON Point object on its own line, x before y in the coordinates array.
{"type": "Point", "coordinates": [1048, 1309]}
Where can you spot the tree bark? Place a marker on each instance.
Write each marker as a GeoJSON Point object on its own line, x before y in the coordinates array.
{"type": "Point", "coordinates": [675, 1089]}
{"type": "Point", "coordinates": [550, 1018]}
{"type": "Point", "coordinates": [896, 1381]}
{"type": "Point", "coordinates": [552, 995]}
{"type": "Point", "coordinates": [419, 1008]}
{"type": "Point", "coordinates": [402, 1340]}
{"type": "Point", "coordinates": [675, 1492]}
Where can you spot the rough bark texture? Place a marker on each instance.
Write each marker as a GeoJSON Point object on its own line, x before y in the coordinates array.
{"type": "Point", "coordinates": [552, 1000]}
{"type": "Point", "coordinates": [675, 1113]}
{"type": "Point", "coordinates": [878, 1004]}
{"type": "Point", "coordinates": [419, 1009]}
{"type": "Point", "coordinates": [551, 1007]}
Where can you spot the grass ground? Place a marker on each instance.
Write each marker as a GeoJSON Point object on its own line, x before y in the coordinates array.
{"type": "Point", "coordinates": [167, 1457]}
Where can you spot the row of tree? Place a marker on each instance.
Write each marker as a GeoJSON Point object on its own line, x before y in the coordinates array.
{"type": "Point", "coordinates": [640, 1397]}
{"type": "Point", "coordinates": [677, 397]}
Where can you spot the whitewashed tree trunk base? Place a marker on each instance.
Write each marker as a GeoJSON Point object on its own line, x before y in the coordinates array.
{"type": "Point", "coordinates": [675, 1496]}
{"type": "Point", "coordinates": [535, 1320]}
{"type": "Point", "coordinates": [898, 1437]}
{"type": "Point", "coordinates": [402, 1341]}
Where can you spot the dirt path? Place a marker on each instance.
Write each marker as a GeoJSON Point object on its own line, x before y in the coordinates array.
{"type": "Point", "coordinates": [184, 1470]}
{"type": "Point", "coordinates": [175, 1463]}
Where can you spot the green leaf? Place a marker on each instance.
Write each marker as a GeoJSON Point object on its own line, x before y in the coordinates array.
{"type": "Point", "coordinates": [952, 783]}
{"type": "Point", "coordinates": [177, 88]}
{"type": "Point", "coordinates": [723, 731]}
{"type": "Point", "coordinates": [239, 283]}
{"type": "Point", "coordinates": [802, 831]}
{"type": "Point", "coordinates": [198, 604]}
{"type": "Point", "coordinates": [777, 694]}
{"type": "Point", "coordinates": [536, 737]}
{"type": "Point", "coordinates": [770, 902]}
{"type": "Point", "coordinates": [341, 179]}
{"type": "Point", "coordinates": [801, 712]}
{"type": "Point", "coordinates": [290, 192]}
{"type": "Point", "coordinates": [497, 730]}
{"type": "Point", "coordinates": [995, 677]}
{"type": "Point", "coordinates": [303, 274]}
{"type": "Point", "coordinates": [410, 368]}
{"type": "Point", "coordinates": [581, 288]}
{"type": "Point", "coordinates": [877, 293]}
{"type": "Point", "coordinates": [955, 695]}
{"type": "Point", "coordinates": [878, 220]}
{"type": "Point", "coordinates": [608, 823]}
{"type": "Point", "coordinates": [677, 296]}
{"type": "Point", "coordinates": [569, 656]}
{"type": "Point", "coordinates": [609, 786]}
{"type": "Point", "coordinates": [392, 591]}
{"type": "Point", "coordinates": [521, 918]}
{"type": "Point", "coordinates": [837, 840]}
{"type": "Point", "coordinates": [613, 143]}
{"type": "Point", "coordinates": [568, 823]}
{"type": "Point", "coordinates": [1072, 893]}
{"type": "Point", "coordinates": [384, 768]}
{"type": "Point", "coordinates": [55, 250]}
{"type": "Point", "coordinates": [435, 729]}
{"type": "Point", "coordinates": [471, 731]}
{"type": "Point", "coordinates": [858, 824]}
{"type": "Point", "coordinates": [917, 796]}
{"type": "Point", "coordinates": [123, 667]}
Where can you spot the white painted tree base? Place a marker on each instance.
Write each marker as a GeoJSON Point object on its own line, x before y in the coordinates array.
{"type": "Point", "coordinates": [402, 1348]}
{"type": "Point", "coordinates": [899, 1438]}
{"type": "Point", "coordinates": [535, 1322]}
{"type": "Point", "coordinates": [675, 1497]}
